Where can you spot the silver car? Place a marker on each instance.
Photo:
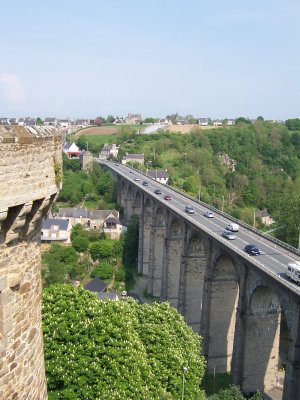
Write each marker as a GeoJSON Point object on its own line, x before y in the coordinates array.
{"type": "Point", "coordinates": [228, 235]}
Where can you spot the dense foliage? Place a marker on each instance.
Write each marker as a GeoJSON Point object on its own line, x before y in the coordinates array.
{"type": "Point", "coordinates": [116, 350]}
{"type": "Point", "coordinates": [130, 251]}
{"type": "Point", "coordinates": [266, 172]}
{"type": "Point", "coordinates": [97, 186]}
{"type": "Point", "coordinates": [233, 393]}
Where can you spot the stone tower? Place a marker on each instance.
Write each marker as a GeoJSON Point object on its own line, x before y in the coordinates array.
{"type": "Point", "coordinates": [86, 161]}
{"type": "Point", "coordinates": [30, 177]}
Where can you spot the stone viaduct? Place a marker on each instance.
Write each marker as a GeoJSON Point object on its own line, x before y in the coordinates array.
{"type": "Point", "coordinates": [30, 174]}
{"type": "Point", "coordinates": [237, 308]}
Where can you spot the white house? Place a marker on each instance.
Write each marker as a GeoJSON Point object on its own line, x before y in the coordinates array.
{"type": "Point", "coordinates": [217, 122]}
{"type": "Point", "coordinates": [203, 121]}
{"type": "Point", "coordinates": [71, 150]}
{"type": "Point", "coordinates": [159, 175]}
{"type": "Point", "coordinates": [138, 158]}
{"type": "Point", "coordinates": [50, 121]}
{"type": "Point", "coordinates": [109, 150]}
{"type": "Point", "coordinates": [56, 230]}
{"type": "Point", "coordinates": [230, 122]}
{"type": "Point", "coordinates": [113, 227]}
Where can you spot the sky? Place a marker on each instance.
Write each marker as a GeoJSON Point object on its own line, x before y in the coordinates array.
{"type": "Point", "coordinates": [208, 58]}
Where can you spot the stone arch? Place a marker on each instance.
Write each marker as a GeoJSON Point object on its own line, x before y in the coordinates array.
{"type": "Point", "coordinates": [146, 242]}
{"type": "Point", "coordinates": [158, 231]}
{"type": "Point", "coordinates": [223, 305]}
{"type": "Point", "coordinates": [123, 195]}
{"type": "Point", "coordinates": [129, 202]}
{"type": "Point", "coordinates": [194, 274]}
{"type": "Point", "coordinates": [261, 347]}
{"type": "Point", "coordinates": [172, 273]}
{"type": "Point", "coordinates": [137, 200]}
{"type": "Point", "coordinates": [176, 228]}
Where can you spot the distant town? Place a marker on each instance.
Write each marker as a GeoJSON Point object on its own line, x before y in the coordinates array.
{"type": "Point", "coordinates": [131, 119]}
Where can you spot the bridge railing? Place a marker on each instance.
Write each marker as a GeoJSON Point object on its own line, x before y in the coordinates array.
{"type": "Point", "coordinates": [228, 216]}
{"type": "Point", "coordinates": [244, 224]}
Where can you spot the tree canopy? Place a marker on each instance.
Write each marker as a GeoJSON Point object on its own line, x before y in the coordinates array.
{"type": "Point", "coordinates": [117, 350]}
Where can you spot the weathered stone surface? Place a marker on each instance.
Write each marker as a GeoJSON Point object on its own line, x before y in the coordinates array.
{"type": "Point", "coordinates": [28, 186]}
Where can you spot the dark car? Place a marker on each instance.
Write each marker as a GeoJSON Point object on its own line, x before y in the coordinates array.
{"type": "Point", "coordinates": [252, 250]}
{"type": "Point", "coordinates": [145, 183]}
{"type": "Point", "coordinates": [167, 197]}
{"type": "Point", "coordinates": [157, 191]}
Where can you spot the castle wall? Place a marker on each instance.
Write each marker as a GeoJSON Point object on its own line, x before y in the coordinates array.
{"type": "Point", "coordinates": [30, 175]}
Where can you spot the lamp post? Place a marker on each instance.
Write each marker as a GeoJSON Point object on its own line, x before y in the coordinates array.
{"type": "Point", "coordinates": [184, 371]}
{"type": "Point", "coordinates": [299, 238]}
{"type": "Point", "coordinates": [222, 203]}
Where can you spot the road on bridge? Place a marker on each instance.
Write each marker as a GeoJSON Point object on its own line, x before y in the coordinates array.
{"type": "Point", "coordinates": [273, 258]}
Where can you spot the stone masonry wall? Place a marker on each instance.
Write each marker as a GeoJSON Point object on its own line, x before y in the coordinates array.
{"type": "Point", "coordinates": [30, 174]}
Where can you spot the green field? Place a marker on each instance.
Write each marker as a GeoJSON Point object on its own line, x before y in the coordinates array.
{"type": "Point", "coordinates": [101, 139]}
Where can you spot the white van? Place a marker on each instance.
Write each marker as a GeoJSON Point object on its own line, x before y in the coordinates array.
{"type": "Point", "coordinates": [232, 227]}
{"type": "Point", "coordinates": [293, 272]}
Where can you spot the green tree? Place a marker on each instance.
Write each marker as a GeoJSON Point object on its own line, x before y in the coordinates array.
{"type": "Point", "coordinates": [233, 393]}
{"type": "Point", "coordinates": [293, 124]}
{"type": "Point", "coordinates": [103, 270]}
{"type": "Point", "coordinates": [39, 121]}
{"type": "Point", "coordinates": [149, 120]}
{"type": "Point", "coordinates": [80, 244]}
{"type": "Point", "coordinates": [110, 119]}
{"type": "Point", "coordinates": [116, 350]}
{"type": "Point", "coordinates": [101, 249]}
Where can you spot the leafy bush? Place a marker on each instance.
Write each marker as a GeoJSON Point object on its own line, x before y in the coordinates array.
{"type": "Point", "coordinates": [232, 393]}
{"type": "Point", "coordinates": [80, 244]}
{"type": "Point", "coordinates": [117, 350]}
{"type": "Point", "coordinates": [103, 271]}
{"type": "Point", "coordinates": [101, 249]}
{"type": "Point", "coordinates": [120, 275]}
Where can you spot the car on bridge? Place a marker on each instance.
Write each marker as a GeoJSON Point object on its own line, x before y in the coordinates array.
{"type": "Point", "coordinates": [157, 191]}
{"type": "Point", "coordinates": [232, 227]}
{"type": "Point", "coordinates": [208, 214]}
{"type": "Point", "coordinates": [189, 209]}
{"type": "Point", "coordinates": [167, 197]}
{"type": "Point", "coordinates": [137, 179]}
{"type": "Point", "coordinates": [145, 183]}
{"type": "Point", "coordinates": [252, 250]}
{"type": "Point", "coordinates": [228, 235]}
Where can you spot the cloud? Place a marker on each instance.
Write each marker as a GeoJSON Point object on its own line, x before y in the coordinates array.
{"type": "Point", "coordinates": [11, 88]}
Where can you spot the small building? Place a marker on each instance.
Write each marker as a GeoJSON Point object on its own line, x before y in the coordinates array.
{"type": "Point", "coordinates": [109, 150]}
{"type": "Point", "coordinates": [64, 123]}
{"type": "Point", "coordinates": [108, 296]}
{"type": "Point", "coordinates": [160, 175]}
{"type": "Point", "coordinates": [56, 230]}
{"type": "Point", "coordinates": [50, 121]}
{"type": "Point", "coordinates": [133, 119]}
{"type": "Point", "coordinates": [96, 285]}
{"type": "Point", "coordinates": [27, 121]}
{"type": "Point", "coordinates": [217, 122]}
{"type": "Point", "coordinates": [71, 150]}
{"type": "Point", "coordinates": [230, 122]}
{"type": "Point", "coordinates": [203, 121]}
{"type": "Point", "coordinates": [113, 227]}
{"type": "Point", "coordinates": [265, 217]}
{"type": "Point", "coordinates": [82, 123]}
{"type": "Point", "coordinates": [86, 161]}
{"type": "Point", "coordinates": [119, 121]}
{"type": "Point", "coordinates": [134, 158]}
{"type": "Point", "coordinates": [93, 219]}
